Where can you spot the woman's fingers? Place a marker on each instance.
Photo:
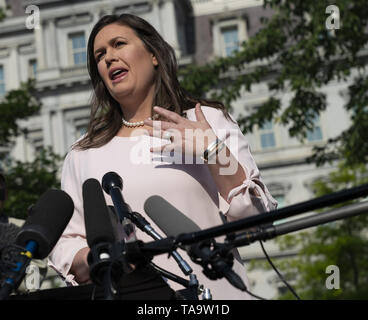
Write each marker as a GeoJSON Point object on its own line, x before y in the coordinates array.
{"type": "Point", "coordinates": [170, 115]}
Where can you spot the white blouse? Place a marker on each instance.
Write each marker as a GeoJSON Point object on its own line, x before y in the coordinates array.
{"type": "Point", "coordinates": [189, 187]}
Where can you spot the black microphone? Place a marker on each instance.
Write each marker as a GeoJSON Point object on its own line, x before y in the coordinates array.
{"type": "Point", "coordinates": [113, 185]}
{"type": "Point", "coordinates": [46, 222]}
{"type": "Point", "coordinates": [169, 219]}
{"type": "Point", "coordinates": [99, 222]}
{"type": "Point", "coordinates": [107, 258]}
{"type": "Point", "coordinates": [101, 232]}
{"type": "Point", "coordinates": [8, 233]}
{"type": "Point", "coordinates": [173, 223]}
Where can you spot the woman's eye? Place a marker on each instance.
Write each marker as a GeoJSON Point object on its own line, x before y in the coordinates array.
{"type": "Point", "coordinates": [99, 56]}
{"type": "Point", "coordinates": [119, 43]}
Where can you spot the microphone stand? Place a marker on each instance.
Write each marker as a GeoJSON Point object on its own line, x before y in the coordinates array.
{"type": "Point", "coordinates": [145, 226]}
{"type": "Point", "coordinates": [210, 254]}
{"type": "Point", "coordinates": [205, 257]}
{"type": "Point", "coordinates": [107, 266]}
{"type": "Point", "coordinates": [269, 232]}
{"type": "Point", "coordinates": [170, 243]}
{"type": "Point", "coordinates": [112, 184]}
{"type": "Point", "coordinates": [192, 284]}
{"type": "Point", "coordinates": [271, 216]}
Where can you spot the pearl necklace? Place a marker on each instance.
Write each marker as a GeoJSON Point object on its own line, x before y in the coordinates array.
{"type": "Point", "coordinates": [133, 124]}
{"type": "Point", "coordinates": [136, 124]}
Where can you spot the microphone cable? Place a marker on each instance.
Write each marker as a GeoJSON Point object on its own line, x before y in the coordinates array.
{"type": "Point", "coordinates": [169, 275]}
{"type": "Point", "coordinates": [277, 272]}
{"type": "Point", "coordinates": [254, 295]}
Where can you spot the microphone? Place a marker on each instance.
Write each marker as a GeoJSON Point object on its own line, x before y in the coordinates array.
{"type": "Point", "coordinates": [169, 219]}
{"type": "Point", "coordinates": [109, 266]}
{"type": "Point", "coordinates": [99, 222]}
{"type": "Point", "coordinates": [8, 233]}
{"type": "Point", "coordinates": [206, 253]}
{"type": "Point", "coordinates": [113, 185]}
{"type": "Point", "coordinates": [46, 222]}
{"type": "Point", "coordinates": [101, 232]}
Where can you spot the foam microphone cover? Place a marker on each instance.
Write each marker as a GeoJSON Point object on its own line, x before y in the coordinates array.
{"type": "Point", "coordinates": [8, 233]}
{"type": "Point", "coordinates": [169, 219]}
{"type": "Point", "coordinates": [98, 217]}
{"type": "Point", "coordinates": [46, 222]}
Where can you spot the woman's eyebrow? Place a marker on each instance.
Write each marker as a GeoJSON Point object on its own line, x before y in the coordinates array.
{"type": "Point", "coordinates": [111, 42]}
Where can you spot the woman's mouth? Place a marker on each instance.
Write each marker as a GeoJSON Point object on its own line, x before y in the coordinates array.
{"type": "Point", "coordinates": [117, 75]}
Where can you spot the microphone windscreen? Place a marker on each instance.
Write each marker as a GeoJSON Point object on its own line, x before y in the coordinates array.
{"type": "Point", "coordinates": [111, 180]}
{"type": "Point", "coordinates": [97, 216]}
{"type": "Point", "coordinates": [8, 233]}
{"type": "Point", "coordinates": [46, 222]}
{"type": "Point", "coordinates": [169, 219]}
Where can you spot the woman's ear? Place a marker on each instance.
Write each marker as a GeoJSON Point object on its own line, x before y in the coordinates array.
{"type": "Point", "coordinates": [154, 61]}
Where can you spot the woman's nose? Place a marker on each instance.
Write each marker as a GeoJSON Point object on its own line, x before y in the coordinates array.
{"type": "Point", "coordinates": [110, 56]}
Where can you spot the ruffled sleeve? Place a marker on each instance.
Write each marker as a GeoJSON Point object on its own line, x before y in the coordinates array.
{"type": "Point", "coordinates": [73, 238]}
{"type": "Point", "coordinates": [241, 201]}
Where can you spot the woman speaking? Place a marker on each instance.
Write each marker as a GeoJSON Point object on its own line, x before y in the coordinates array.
{"type": "Point", "coordinates": [162, 142]}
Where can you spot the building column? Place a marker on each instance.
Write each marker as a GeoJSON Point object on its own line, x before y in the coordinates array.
{"type": "Point", "coordinates": [40, 47]}
{"type": "Point", "coordinates": [61, 146]}
{"type": "Point", "coordinates": [52, 52]}
{"type": "Point", "coordinates": [216, 33]}
{"type": "Point", "coordinates": [170, 33]}
{"type": "Point", "coordinates": [13, 76]}
{"type": "Point", "coordinates": [46, 128]}
{"type": "Point", "coordinates": [156, 13]}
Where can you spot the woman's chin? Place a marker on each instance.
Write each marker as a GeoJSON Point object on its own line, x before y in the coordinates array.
{"type": "Point", "coordinates": [120, 93]}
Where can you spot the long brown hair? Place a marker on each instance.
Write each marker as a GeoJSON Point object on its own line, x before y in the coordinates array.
{"type": "Point", "coordinates": [106, 114]}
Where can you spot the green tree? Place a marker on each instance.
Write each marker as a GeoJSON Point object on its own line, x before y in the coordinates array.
{"type": "Point", "coordinates": [27, 181]}
{"type": "Point", "coordinates": [295, 52]}
{"type": "Point", "coordinates": [2, 14]}
{"type": "Point", "coordinates": [342, 243]}
{"type": "Point", "coordinates": [17, 104]}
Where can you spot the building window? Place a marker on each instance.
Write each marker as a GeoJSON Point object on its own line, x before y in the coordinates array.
{"type": "Point", "coordinates": [77, 48]}
{"type": "Point", "coordinates": [81, 130]}
{"type": "Point", "coordinates": [228, 35]}
{"type": "Point", "coordinates": [2, 81]}
{"type": "Point", "coordinates": [32, 68]}
{"type": "Point", "coordinates": [267, 135]}
{"type": "Point", "coordinates": [230, 40]}
{"type": "Point", "coordinates": [316, 133]}
{"type": "Point", "coordinates": [280, 200]}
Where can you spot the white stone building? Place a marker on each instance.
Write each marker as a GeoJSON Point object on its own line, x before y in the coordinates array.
{"type": "Point", "coordinates": [221, 25]}
{"type": "Point", "coordinates": [53, 51]}
{"type": "Point", "coordinates": [199, 30]}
